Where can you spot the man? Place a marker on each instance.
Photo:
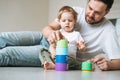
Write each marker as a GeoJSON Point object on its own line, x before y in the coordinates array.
{"type": "Point", "coordinates": [98, 33]}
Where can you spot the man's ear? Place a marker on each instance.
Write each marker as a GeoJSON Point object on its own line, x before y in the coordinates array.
{"type": "Point", "coordinates": [107, 11]}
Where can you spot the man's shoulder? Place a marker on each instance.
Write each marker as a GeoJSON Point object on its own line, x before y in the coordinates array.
{"type": "Point", "coordinates": [108, 24]}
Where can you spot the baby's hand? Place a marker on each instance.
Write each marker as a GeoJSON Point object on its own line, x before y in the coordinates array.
{"type": "Point", "coordinates": [81, 46]}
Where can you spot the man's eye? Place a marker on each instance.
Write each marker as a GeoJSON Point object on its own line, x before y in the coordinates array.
{"type": "Point", "coordinates": [90, 8]}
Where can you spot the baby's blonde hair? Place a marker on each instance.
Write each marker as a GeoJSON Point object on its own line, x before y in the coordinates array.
{"type": "Point", "coordinates": [67, 9]}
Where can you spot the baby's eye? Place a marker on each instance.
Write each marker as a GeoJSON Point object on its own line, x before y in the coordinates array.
{"type": "Point", "coordinates": [63, 20]}
{"type": "Point", "coordinates": [70, 20]}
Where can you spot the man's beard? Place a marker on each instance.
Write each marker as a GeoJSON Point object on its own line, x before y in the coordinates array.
{"type": "Point", "coordinates": [93, 20]}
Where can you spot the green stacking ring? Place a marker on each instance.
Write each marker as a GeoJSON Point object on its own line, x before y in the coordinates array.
{"type": "Point", "coordinates": [87, 66]}
{"type": "Point", "coordinates": [62, 43]}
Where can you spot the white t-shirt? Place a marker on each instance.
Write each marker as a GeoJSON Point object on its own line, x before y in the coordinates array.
{"type": "Point", "coordinates": [73, 38]}
{"type": "Point", "coordinates": [99, 38]}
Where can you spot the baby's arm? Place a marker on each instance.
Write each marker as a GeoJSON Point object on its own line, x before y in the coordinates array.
{"type": "Point", "coordinates": [80, 42]}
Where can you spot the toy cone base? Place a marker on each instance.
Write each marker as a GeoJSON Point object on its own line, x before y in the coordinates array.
{"type": "Point", "coordinates": [61, 67]}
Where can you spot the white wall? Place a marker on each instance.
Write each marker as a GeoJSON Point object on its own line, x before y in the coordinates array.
{"type": "Point", "coordinates": [115, 10]}
{"type": "Point", "coordinates": [33, 15]}
{"type": "Point", "coordinates": [55, 5]}
{"type": "Point", "coordinates": [19, 15]}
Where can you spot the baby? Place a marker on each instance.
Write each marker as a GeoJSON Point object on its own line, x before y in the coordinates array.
{"type": "Point", "coordinates": [67, 18]}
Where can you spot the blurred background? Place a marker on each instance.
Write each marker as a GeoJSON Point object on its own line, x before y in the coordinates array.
{"type": "Point", "coordinates": [34, 15]}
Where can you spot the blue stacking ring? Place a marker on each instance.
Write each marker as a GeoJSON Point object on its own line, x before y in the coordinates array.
{"type": "Point", "coordinates": [61, 59]}
{"type": "Point", "coordinates": [61, 51]}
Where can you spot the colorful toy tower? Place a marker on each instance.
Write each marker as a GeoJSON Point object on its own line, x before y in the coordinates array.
{"type": "Point", "coordinates": [87, 66]}
{"type": "Point", "coordinates": [61, 55]}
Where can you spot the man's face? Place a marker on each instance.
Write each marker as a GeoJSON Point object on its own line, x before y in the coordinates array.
{"type": "Point", "coordinates": [95, 11]}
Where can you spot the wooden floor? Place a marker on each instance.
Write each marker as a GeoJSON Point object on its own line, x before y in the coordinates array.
{"type": "Point", "coordinates": [36, 73]}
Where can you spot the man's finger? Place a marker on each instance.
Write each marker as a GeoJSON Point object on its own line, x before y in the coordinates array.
{"type": "Point", "coordinates": [58, 35]}
{"type": "Point", "coordinates": [98, 59]}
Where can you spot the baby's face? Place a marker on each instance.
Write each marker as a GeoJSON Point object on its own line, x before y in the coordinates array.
{"type": "Point", "coordinates": [67, 22]}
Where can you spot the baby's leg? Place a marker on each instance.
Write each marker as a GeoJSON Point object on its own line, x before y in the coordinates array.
{"type": "Point", "coordinates": [45, 56]}
{"type": "Point", "coordinates": [49, 65]}
{"type": "Point", "coordinates": [52, 50]}
{"type": "Point", "coordinates": [74, 64]}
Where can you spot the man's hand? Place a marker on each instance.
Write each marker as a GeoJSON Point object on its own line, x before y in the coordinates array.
{"type": "Point", "coordinates": [102, 63]}
{"type": "Point", "coordinates": [54, 36]}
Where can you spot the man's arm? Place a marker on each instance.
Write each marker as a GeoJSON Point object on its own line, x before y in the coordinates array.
{"type": "Point", "coordinates": [115, 64]}
{"type": "Point", "coordinates": [48, 30]}
{"type": "Point", "coordinates": [104, 64]}
{"type": "Point", "coordinates": [52, 33]}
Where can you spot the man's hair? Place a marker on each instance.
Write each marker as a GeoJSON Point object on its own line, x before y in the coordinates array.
{"type": "Point", "coordinates": [67, 9]}
{"type": "Point", "coordinates": [109, 3]}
